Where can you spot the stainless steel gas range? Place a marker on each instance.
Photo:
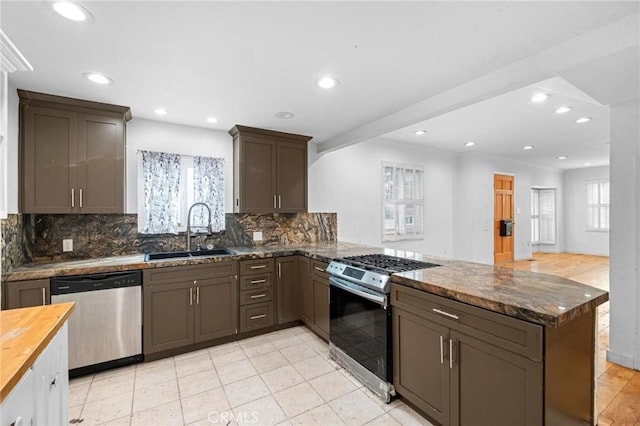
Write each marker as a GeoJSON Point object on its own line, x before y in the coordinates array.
{"type": "Point", "coordinates": [360, 316]}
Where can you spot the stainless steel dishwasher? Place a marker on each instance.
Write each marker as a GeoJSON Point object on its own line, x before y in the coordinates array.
{"type": "Point", "coordinates": [105, 330]}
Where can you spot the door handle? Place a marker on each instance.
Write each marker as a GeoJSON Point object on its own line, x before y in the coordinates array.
{"type": "Point", "coordinates": [317, 268]}
{"type": "Point", "coordinates": [450, 353]}
{"type": "Point", "coordinates": [258, 266]}
{"type": "Point", "coordinates": [279, 270]}
{"type": "Point", "coordinates": [257, 281]}
{"type": "Point", "coordinates": [274, 201]}
{"type": "Point", "coordinates": [279, 201]}
{"type": "Point", "coordinates": [44, 296]}
{"type": "Point", "coordinates": [73, 198]}
{"type": "Point", "coordinates": [441, 349]}
{"type": "Point", "coordinates": [197, 295]}
{"type": "Point", "coordinates": [255, 317]}
{"type": "Point", "coordinates": [81, 198]}
{"type": "Point", "coordinates": [191, 296]}
{"type": "Point", "coordinates": [258, 296]}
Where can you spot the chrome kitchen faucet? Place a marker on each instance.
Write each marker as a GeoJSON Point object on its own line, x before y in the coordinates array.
{"type": "Point", "coordinates": [209, 230]}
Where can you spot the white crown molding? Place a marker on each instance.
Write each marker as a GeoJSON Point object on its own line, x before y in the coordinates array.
{"type": "Point", "coordinates": [11, 59]}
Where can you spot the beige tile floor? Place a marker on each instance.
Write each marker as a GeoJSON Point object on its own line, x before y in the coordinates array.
{"type": "Point", "coordinates": [282, 378]}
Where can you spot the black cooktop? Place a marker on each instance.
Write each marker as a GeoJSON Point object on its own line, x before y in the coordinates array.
{"type": "Point", "coordinates": [386, 264]}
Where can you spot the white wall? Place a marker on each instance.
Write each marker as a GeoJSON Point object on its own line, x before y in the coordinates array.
{"type": "Point", "coordinates": [149, 135]}
{"type": "Point", "coordinates": [473, 205]}
{"type": "Point", "coordinates": [624, 344]}
{"type": "Point", "coordinates": [348, 181]}
{"type": "Point", "coordinates": [577, 239]}
{"type": "Point", "coordinates": [12, 150]}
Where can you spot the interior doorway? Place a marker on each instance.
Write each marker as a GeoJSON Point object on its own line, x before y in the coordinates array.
{"type": "Point", "coordinates": [503, 226]}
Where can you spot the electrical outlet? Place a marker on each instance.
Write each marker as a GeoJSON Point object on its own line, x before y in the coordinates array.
{"type": "Point", "coordinates": [67, 245]}
{"type": "Point", "coordinates": [257, 236]}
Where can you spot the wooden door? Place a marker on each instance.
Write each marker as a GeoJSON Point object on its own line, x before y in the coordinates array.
{"type": "Point", "coordinates": [258, 175]}
{"type": "Point", "coordinates": [168, 316]}
{"type": "Point", "coordinates": [503, 186]}
{"type": "Point", "coordinates": [292, 177]}
{"type": "Point", "coordinates": [216, 308]}
{"type": "Point", "coordinates": [306, 288]}
{"type": "Point", "coordinates": [101, 171]}
{"type": "Point", "coordinates": [492, 386]}
{"type": "Point", "coordinates": [420, 363]}
{"type": "Point", "coordinates": [287, 289]}
{"type": "Point", "coordinates": [23, 294]}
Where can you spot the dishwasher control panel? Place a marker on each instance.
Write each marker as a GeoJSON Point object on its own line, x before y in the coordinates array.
{"type": "Point", "coordinates": [94, 282]}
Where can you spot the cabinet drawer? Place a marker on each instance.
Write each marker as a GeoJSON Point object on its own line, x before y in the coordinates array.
{"type": "Point", "coordinates": [172, 274]}
{"type": "Point", "coordinates": [319, 267]}
{"type": "Point", "coordinates": [256, 316]}
{"type": "Point", "coordinates": [257, 266]}
{"type": "Point", "coordinates": [254, 282]}
{"type": "Point", "coordinates": [512, 334]}
{"type": "Point", "coordinates": [249, 297]}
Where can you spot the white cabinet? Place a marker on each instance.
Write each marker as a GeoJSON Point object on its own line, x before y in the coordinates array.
{"type": "Point", "coordinates": [41, 396]}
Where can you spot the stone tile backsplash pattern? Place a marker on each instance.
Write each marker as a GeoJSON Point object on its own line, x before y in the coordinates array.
{"type": "Point", "coordinates": [13, 253]}
{"type": "Point", "coordinates": [97, 236]}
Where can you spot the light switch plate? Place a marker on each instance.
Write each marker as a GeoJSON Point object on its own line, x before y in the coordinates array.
{"type": "Point", "coordinates": [257, 236]}
{"type": "Point", "coordinates": [67, 245]}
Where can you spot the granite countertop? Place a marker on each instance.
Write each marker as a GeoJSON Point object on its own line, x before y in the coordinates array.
{"type": "Point", "coordinates": [543, 299]}
{"type": "Point", "coordinates": [24, 334]}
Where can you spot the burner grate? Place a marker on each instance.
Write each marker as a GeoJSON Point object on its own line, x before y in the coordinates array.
{"type": "Point", "coordinates": [387, 264]}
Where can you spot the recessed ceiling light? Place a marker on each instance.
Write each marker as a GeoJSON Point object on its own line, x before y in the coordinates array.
{"type": "Point", "coordinates": [97, 78]}
{"type": "Point", "coordinates": [588, 163]}
{"type": "Point", "coordinates": [160, 111]}
{"type": "Point", "coordinates": [562, 157]}
{"type": "Point", "coordinates": [212, 120]}
{"type": "Point", "coordinates": [563, 109]}
{"type": "Point", "coordinates": [327, 82]}
{"type": "Point", "coordinates": [420, 132]}
{"type": "Point", "coordinates": [527, 147]}
{"type": "Point", "coordinates": [285, 115]}
{"type": "Point", "coordinates": [72, 11]}
{"type": "Point", "coordinates": [470, 143]}
{"type": "Point", "coordinates": [583, 120]}
{"type": "Point", "coordinates": [540, 97]}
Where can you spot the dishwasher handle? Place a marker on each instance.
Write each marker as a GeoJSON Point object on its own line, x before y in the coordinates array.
{"type": "Point", "coordinates": [95, 282]}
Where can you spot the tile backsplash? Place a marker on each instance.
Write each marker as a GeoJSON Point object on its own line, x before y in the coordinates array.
{"type": "Point", "coordinates": [112, 235]}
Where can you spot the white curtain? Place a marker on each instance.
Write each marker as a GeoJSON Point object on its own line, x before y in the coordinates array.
{"type": "Point", "coordinates": [161, 187]}
{"type": "Point", "coordinates": [208, 188]}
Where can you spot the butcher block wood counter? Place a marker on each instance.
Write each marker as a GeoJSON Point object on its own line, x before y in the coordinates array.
{"type": "Point", "coordinates": [24, 334]}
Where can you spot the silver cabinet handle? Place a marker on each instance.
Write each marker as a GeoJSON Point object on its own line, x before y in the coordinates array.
{"type": "Point", "coordinates": [257, 281]}
{"type": "Point", "coordinates": [81, 198]}
{"type": "Point", "coordinates": [274, 201]}
{"type": "Point", "coordinates": [258, 267]}
{"type": "Point", "coordinates": [441, 349]}
{"type": "Point", "coordinates": [279, 270]}
{"type": "Point", "coordinates": [197, 295]}
{"type": "Point", "coordinates": [44, 296]}
{"type": "Point", "coordinates": [73, 198]}
{"type": "Point", "coordinates": [446, 314]}
{"type": "Point", "coordinates": [191, 296]}
{"type": "Point", "coordinates": [450, 353]}
{"type": "Point", "coordinates": [317, 268]}
{"type": "Point", "coordinates": [258, 296]}
{"type": "Point", "coordinates": [279, 202]}
{"type": "Point", "coordinates": [255, 317]}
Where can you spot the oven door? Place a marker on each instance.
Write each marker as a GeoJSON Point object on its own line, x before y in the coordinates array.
{"type": "Point", "coordinates": [361, 325]}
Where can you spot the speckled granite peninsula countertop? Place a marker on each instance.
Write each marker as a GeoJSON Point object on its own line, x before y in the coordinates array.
{"type": "Point", "coordinates": [543, 299]}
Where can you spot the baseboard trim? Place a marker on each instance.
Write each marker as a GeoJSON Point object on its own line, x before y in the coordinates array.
{"type": "Point", "coordinates": [621, 359]}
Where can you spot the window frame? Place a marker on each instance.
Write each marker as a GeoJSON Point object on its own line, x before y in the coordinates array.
{"type": "Point", "coordinates": [542, 218]}
{"type": "Point", "coordinates": [600, 206]}
{"type": "Point", "coordinates": [399, 203]}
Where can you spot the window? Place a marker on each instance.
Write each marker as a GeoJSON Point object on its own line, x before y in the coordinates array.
{"type": "Point", "coordinates": [402, 202]}
{"type": "Point", "coordinates": [168, 184]}
{"type": "Point", "coordinates": [598, 206]}
{"type": "Point", "coordinates": [543, 216]}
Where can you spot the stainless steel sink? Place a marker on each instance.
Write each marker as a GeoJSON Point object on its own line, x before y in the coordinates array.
{"type": "Point", "coordinates": [187, 254]}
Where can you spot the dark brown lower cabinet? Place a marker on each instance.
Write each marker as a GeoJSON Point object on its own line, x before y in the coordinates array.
{"type": "Point", "coordinates": [314, 285]}
{"type": "Point", "coordinates": [183, 305]}
{"type": "Point", "coordinates": [24, 294]}
{"type": "Point", "coordinates": [287, 289]}
{"type": "Point", "coordinates": [306, 289]}
{"type": "Point", "coordinates": [321, 305]}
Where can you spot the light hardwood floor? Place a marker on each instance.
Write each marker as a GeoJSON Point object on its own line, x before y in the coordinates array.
{"type": "Point", "coordinates": [618, 387]}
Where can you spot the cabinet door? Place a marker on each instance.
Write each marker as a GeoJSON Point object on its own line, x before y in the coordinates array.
{"type": "Point", "coordinates": [49, 149]}
{"type": "Point", "coordinates": [216, 308]}
{"type": "Point", "coordinates": [306, 287]}
{"type": "Point", "coordinates": [292, 177]}
{"type": "Point", "coordinates": [23, 294]}
{"type": "Point", "coordinates": [321, 305]}
{"type": "Point", "coordinates": [101, 171]}
{"type": "Point", "coordinates": [258, 175]}
{"type": "Point", "coordinates": [287, 289]}
{"type": "Point", "coordinates": [168, 316]}
{"type": "Point", "coordinates": [491, 386]}
{"type": "Point", "coordinates": [420, 363]}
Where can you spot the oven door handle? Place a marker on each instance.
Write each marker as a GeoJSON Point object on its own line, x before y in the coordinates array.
{"type": "Point", "coordinates": [351, 288]}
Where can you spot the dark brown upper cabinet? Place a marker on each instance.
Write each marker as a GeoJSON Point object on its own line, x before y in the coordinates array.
{"type": "Point", "coordinates": [72, 155]}
{"type": "Point", "coordinates": [270, 171]}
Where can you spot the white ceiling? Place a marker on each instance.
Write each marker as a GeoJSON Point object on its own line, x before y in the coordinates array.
{"type": "Point", "coordinates": [244, 61]}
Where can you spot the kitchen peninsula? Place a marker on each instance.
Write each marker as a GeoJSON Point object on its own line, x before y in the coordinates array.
{"type": "Point", "coordinates": [542, 324]}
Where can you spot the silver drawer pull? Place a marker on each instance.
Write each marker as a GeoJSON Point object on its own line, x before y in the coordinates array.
{"type": "Point", "coordinates": [258, 296]}
{"type": "Point", "coordinates": [450, 353]}
{"type": "Point", "coordinates": [258, 267]}
{"type": "Point", "coordinates": [44, 296]}
{"type": "Point", "coordinates": [319, 269]}
{"type": "Point", "coordinates": [446, 314]}
{"type": "Point", "coordinates": [255, 317]}
{"type": "Point", "coordinates": [258, 281]}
